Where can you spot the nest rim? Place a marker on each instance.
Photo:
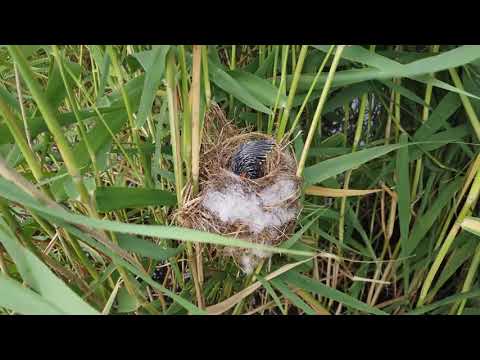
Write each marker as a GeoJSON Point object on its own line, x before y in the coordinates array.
{"type": "Point", "coordinates": [215, 173]}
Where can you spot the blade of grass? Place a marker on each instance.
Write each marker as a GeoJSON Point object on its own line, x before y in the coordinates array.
{"type": "Point", "coordinates": [154, 71]}
{"type": "Point", "coordinates": [23, 300]}
{"type": "Point", "coordinates": [41, 279]}
{"type": "Point", "coordinates": [308, 284]}
{"type": "Point", "coordinates": [115, 198]}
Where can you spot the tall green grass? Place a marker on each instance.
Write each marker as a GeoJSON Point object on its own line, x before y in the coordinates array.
{"type": "Point", "coordinates": [97, 145]}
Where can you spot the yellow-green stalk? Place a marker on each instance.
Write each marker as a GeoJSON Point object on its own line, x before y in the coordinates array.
{"type": "Point", "coordinates": [275, 64]}
{"type": "Point", "coordinates": [388, 126]}
{"type": "Point", "coordinates": [470, 202]}
{"type": "Point", "coordinates": [196, 69]}
{"type": "Point", "coordinates": [206, 78]}
{"type": "Point", "coordinates": [50, 118]}
{"type": "Point", "coordinates": [469, 279]}
{"type": "Point", "coordinates": [318, 111]}
{"type": "Point", "coordinates": [281, 87]}
{"type": "Point", "coordinates": [20, 103]}
{"type": "Point", "coordinates": [197, 49]}
{"type": "Point", "coordinates": [233, 65]}
{"type": "Point", "coordinates": [428, 98]}
{"type": "Point", "coordinates": [472, 116]}
{"type": "Point", "coordinates": [177, 159]}
{"type": "Point", "coordinates": [18, 135]}
{"type": "Point", "coordinates": [309, 93]}
{"type": "Point", "coordinates": [292, 92]}
{"type": "Point", "coordinates": [174, 130]}
{"type": "Point", "coordinates": [187, 121]}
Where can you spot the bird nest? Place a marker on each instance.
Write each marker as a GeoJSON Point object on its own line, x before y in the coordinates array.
{"type": "Point", "coordinates": [262, 210]}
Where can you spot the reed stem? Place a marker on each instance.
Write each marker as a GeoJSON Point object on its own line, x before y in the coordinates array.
{"type": "Point", "coordinates": [318, 111]}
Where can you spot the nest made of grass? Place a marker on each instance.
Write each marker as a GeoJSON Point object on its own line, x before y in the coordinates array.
{"type": "Point", "coordinates": [220, 139]}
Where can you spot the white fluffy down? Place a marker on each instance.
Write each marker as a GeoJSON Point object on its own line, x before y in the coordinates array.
{"type": "Point", "coordinates": [250, 259]}
{"type": "Point", "coordinates": [256, 210]}
{"type": "Point", "coordinates": [248, 264]}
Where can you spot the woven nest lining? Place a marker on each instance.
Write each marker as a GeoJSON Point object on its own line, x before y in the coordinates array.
{"type": "Point", "coordinates": [219, 142]}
